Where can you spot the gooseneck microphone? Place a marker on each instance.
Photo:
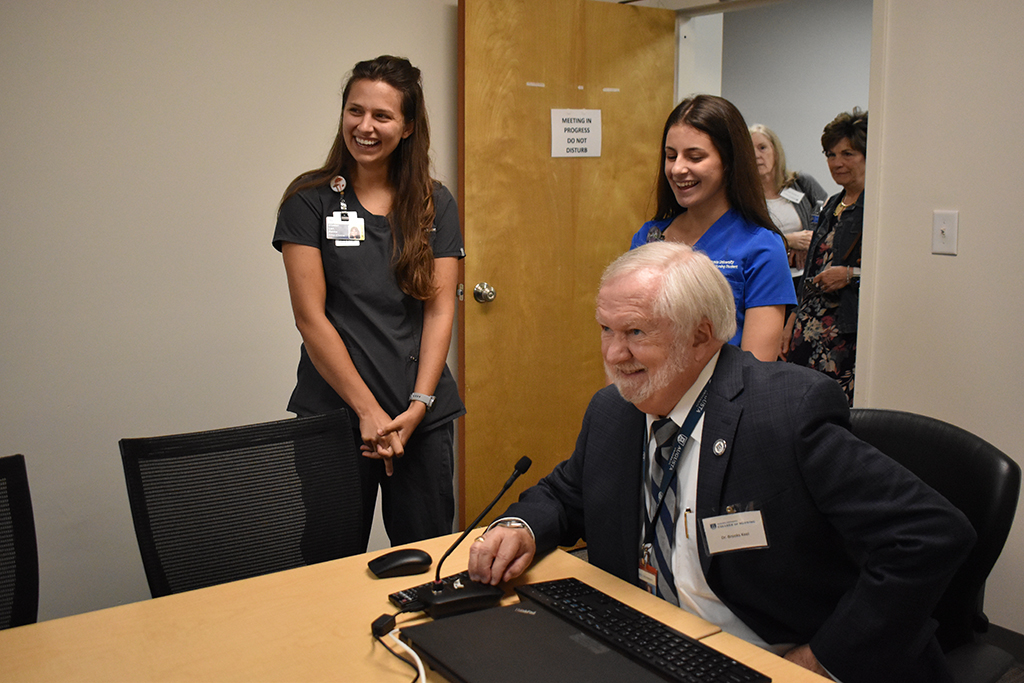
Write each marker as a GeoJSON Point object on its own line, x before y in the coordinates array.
{"type": "Point", "coordinates": [521, 467]}
{"type": "Point", "coordinates": [456, 594]}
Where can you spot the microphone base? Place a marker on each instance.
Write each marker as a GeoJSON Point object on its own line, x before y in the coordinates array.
{"type": "Point", "coordinates": [457, 596]}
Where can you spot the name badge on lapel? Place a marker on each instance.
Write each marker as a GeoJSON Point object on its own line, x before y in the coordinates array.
{"type": "Point", "coordinates": [738, 531]}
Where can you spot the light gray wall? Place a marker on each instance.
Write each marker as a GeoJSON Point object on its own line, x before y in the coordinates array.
{"type": "Point", "coordinates": [698, 55]}
{"type": "Point", "coordinates": [942, 336]}
{"type": "Point", "coordinates": [145, 146]}
{"type": "Point", "coordinates": [793, 66]}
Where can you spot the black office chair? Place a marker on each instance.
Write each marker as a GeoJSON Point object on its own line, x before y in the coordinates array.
{"type": "Point", "coordinates": [222, 505]}
{"type": "Point", "coordinates": [19, 563]}
{"type": "Point", "coordinates": [984, 483]}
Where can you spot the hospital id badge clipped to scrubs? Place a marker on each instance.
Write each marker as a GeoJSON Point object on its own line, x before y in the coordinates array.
{"type": "Point", "coordinates": [346, 229]}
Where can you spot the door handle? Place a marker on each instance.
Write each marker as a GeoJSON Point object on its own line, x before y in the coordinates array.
{"type": "Point", "coordinates": [484, 293]}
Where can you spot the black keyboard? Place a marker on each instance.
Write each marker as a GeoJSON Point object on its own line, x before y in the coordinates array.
{"type": "Point", "coordinates": [648, 641]}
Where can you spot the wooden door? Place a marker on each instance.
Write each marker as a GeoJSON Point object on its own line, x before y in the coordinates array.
{"type": "Point", "coordinates": [538, 229]}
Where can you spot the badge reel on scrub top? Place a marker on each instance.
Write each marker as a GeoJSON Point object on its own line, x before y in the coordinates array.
{"type": "Point", "coordinates": [344, 227]}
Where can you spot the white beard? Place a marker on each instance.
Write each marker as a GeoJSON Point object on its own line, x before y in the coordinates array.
{"type": "Point", "coordinates": [637, 391]}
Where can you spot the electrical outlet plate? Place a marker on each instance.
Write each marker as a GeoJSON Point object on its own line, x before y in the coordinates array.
{"type": "Point", "coordinates": [944, 229]}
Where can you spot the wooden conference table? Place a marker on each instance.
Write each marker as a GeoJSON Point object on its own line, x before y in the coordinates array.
{"type": "Point", "coordinates": [306, 624]}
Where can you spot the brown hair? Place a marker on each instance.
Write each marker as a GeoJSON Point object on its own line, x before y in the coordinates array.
{"type": "Point", "coordinates": [720, 120]}
{"type": "Point", "coordinates": [412, 213]}
{"type": "Point", "coordinates": [852, 126]}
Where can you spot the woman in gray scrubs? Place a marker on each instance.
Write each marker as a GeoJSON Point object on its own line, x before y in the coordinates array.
{"type": "Point", "coordinates": [371, 246]}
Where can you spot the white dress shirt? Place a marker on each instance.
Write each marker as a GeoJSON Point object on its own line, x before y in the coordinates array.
{"type": "Point", "coordinates": [695, 596]}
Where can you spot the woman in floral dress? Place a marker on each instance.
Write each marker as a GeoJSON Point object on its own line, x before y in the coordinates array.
{"type": "Point", "coordinates": [824, 325]}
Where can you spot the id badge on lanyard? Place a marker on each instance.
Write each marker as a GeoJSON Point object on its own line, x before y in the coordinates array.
{"type": "Point", "coordinates": [647, 572]}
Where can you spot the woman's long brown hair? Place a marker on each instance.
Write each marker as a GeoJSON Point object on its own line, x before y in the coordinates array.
{"type": "Point", "coordinates": [721, 121]}
{"type": "Point", "coordinates": [412, 212]}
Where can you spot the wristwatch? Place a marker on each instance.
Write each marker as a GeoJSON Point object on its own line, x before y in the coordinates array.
{"type": "Point", "coordinates": [508, 523]}
{"type": "Point", "coordinates": [511, 523]}
{"type": "Point", "coordinates": [428, 401]}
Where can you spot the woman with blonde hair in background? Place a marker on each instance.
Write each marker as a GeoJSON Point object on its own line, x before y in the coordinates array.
{"type": "Point", "coordinates": [793, 198]}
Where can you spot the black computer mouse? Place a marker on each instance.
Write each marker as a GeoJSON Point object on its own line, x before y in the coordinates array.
{"type": "Point", "coordinates": [400, 563]}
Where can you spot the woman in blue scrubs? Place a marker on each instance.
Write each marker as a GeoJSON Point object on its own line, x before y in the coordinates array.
{"type": "Point", "coordinates": [710, 197]}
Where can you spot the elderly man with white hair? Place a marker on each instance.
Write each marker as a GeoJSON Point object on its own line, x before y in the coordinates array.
{"type": "Point", "coordinates": [734, 489]}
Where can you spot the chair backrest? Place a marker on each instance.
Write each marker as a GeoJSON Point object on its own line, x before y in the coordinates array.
{"type": "Point", "coordinates": [19, 563]}
{"type": "Point", "coordinates": [217, 506]}
{"type": "Point", "coordinates": [976, 477]}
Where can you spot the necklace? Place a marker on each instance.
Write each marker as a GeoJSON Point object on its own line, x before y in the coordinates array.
{"type": "Point", "coordinates": [842, 207]}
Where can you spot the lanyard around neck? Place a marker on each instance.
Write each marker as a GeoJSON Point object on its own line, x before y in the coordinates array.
{"type": "Point", "coordinates": [669, 471]}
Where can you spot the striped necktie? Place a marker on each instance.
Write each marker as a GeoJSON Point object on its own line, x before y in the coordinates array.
{"type": "Point", "coordinates": [664, 432]}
